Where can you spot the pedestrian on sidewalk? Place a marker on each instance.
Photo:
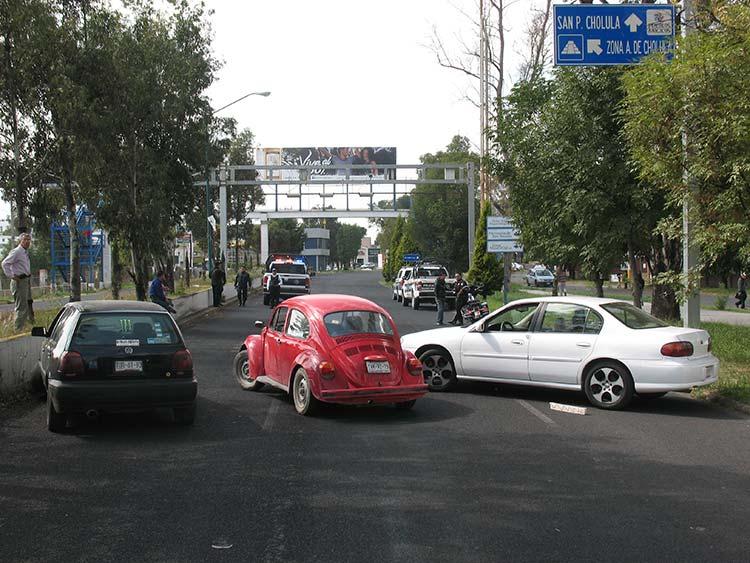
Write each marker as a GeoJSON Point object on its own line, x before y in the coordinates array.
{"type": "Point", "coordinates": [462, 296]}
{"type": "Point", "coordinates": [440, 298]}
{"type": "Point", "coordinates": [156, 292]}
{"type": "Point", "coordinates": [218, 279]}
{"type": "Point", "coordinates": [741, 295]}
{"type": "Point", "coordinates": [17, 267]}
{"type": "Point", "coordinates": [562, 280]}
{"type": "Point", "coordinates": [242, 284]}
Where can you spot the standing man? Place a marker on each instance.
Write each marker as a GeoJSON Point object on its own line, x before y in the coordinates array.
{"type": "Point", "coordinates": [218, 279]}
{"type": "Point", "coordinates": [440, 298]}
{"type": "Point", "coordinates": [562, 279]}
{"type": "Point", "coordinates": [462, 296]}
{"type": "Point", "coordinates": [241, 284]}
{"type": "Point", "coordinates": [17, 267]}
{"type": "Point", "coordinates": [741, 290]}
{"type": "Point", "coordinates": [274, 288]}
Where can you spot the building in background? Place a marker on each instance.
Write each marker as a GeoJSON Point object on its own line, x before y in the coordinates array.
{"type": "Point", "coordinates": [317, 250]}
{"type": "Point", "coordinates": [369, 254]}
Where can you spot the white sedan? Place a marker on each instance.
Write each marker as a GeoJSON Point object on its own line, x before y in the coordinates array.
{"type": "Point", "coordinates": [608, 349]}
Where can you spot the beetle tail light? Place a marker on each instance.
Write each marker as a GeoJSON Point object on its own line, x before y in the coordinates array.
{"type": "Point", "coordinates": [678, 349]}
{"type": "Point", "coordinates": [327, 370]}
{"type": "Point", "coordinates": [182, 362]}
{"type": "Point", "coordinates": [414, 366]}
{"type": "Point", "coordinates": [71, 365]}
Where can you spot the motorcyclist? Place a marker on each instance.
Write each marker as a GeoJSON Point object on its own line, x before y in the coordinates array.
{"type": "Point", "coordinates": [274, 288]}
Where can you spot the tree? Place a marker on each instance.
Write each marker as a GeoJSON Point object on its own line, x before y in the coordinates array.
{"type": "Point", "coordinates": [439, 214]}
{"type": "Point", "coordinates": [485, 269]}
{"type": "Point", "coordinates": [348, 243]}
{"type": "Point", "coordinates": [286, 235]}
{"type": "Point", "coordinates": [406, 245]}
{"type": "Point", "coordinates": [393, 260]}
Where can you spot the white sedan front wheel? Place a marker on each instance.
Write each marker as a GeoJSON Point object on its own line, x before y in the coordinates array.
{"type": "Point", "coordinates": [438, 370]}
{"type": "Point", "coordinates": [608, 385]}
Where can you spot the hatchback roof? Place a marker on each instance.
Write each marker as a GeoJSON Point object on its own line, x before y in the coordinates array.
{"type": "Point", "coordinates": [111, 306]}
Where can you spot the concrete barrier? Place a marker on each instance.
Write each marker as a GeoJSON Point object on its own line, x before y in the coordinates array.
{"type": "Point", "coordinates": [19, 354]}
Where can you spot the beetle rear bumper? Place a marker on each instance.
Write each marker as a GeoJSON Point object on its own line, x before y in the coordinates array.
{"type": "Point", "coordinates": [360, 395]}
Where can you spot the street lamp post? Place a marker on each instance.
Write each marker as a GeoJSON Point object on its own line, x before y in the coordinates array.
{"type": "Point", "coordinates": [209, 214]}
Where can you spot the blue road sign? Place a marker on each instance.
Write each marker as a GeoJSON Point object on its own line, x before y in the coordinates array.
{"type": "Point", "coordinates": [412, 257]}
{"type": "Point", "coordinates": [611, 34]}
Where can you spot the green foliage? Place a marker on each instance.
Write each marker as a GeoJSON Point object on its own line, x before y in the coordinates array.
{"type": "Point", "coordinates": [286, 235]}
{"type": "Point", "coordinates": [393, 261]}
{"type": "Point", "coordinates": [406, 245]}
{"type": "Point", "coordinates": [439, 214]}
{"type": "Point", "coordinates": [705, 92]}
{"type": "Point", "coordinates": [486, 269]}
{"type": "Point", "coordinates": [348, 242]}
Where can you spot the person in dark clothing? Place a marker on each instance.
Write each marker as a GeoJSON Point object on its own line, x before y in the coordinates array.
{"type": "Point", "coordinates": [218, 279]}
{"type": "Point", "coordinates": [440, 298]}
{"type": "Point", "coordinates": [274, 288]}
{"type": "Point", "coordinates": [741, 295]}
{"type": "Point", "coordinates": [462, 296]}
{"type": "Point", "coordinates": [156, 292]}
{"type": "Point", "coordinates": [242, 284]}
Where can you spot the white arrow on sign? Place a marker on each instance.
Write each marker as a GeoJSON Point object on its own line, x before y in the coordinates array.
{"type": "Point", "coordinates": [594, 46]}
{"type": "Point", "coordinates": [633, 22]}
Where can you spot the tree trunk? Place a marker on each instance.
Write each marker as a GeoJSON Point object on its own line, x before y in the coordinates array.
{"type": "Point", "coordinates": [664, 304]}
{"type": "Point", "coordinates": [70, 207]}
{"type": "Point", "coordinates": [19, 191]}
{"type": "Point", "coordinates": [116, 269]}
{"type": "Point", "coordinates": [139, 272]}
{"type": "Point", "coordinates": [599, 282]}
{"type": "Point", "coordinates": [638, 283]}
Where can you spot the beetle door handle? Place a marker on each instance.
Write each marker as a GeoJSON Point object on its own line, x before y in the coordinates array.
{"type": "Point", "coordinates": [583, 344]}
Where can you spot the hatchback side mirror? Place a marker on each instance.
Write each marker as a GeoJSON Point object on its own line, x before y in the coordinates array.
{"type": "Point", "coordinates": [39, 331]}
{"type": "Point", "coordinates": [259, 324]}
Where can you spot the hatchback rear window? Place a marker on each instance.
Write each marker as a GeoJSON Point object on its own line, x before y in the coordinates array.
{"type": "Point", "coordinates": [125, 329]}
{"type": "Point", "coordinates": [344, 323]}
{"type": "Point", "coordinates": [631, 316]}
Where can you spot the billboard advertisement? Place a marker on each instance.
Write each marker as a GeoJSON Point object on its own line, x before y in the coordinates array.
{"type": "Point", "coordinates": [335, 163]}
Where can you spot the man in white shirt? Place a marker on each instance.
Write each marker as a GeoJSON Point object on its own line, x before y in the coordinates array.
{"type": "Point", "coordinates": [17, 267]}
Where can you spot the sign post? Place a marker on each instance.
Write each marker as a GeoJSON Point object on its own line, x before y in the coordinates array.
{"type": "Point", "coordinates": [612, 34]}
{"type": "Point", "coordinates": [502, 238]}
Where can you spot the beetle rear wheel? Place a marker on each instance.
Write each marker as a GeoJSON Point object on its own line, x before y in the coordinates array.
{"type": "Point", "coordinates": [305, 402]}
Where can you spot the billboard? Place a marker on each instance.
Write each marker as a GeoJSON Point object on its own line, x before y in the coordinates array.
{"type": "Point", "coordinates": [335, 163]}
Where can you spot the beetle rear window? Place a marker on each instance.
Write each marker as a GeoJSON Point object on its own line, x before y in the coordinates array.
{"type": "Point", "coordinates": [345, 323]}
{"type": "Point", "coordinates": [124, 329]}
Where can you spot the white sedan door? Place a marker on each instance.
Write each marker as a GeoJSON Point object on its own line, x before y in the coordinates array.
{"type": "Point", "coordinates": [501, 351]}
{"type": "Point", "coordinates": [564, 339]}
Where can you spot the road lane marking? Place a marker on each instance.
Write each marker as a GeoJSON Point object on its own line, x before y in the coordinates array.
{"type": "Point", "coordinates": [536, 412]}
{"type": "Point", "coordinates": [268, 422]}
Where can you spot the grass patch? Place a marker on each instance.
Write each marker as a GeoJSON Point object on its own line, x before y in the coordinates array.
{"type": "Point", "coordinates": [730, 345]}
{"type": "Point", "coordinates": [7, 325]}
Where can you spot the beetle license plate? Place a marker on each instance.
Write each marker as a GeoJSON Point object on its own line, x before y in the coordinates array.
{"type": "Point", "coordinates": [129, 365]}
{"type": "Point", "coordinates": [378, 367]}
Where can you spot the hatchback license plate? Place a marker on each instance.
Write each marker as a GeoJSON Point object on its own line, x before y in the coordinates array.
{"type": "Point", "coordinates": [378, 367]}
{"type": "Point", "coordinates": [130, 365]}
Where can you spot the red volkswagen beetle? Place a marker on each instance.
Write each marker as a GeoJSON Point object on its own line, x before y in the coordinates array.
{"type": "Point", "coordinates": [334, 349]}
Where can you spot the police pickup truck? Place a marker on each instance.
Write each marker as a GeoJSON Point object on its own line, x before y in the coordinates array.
{"type": "Point", "coordinates": [419, 287]}
{"type": "Point", "coordinates": [293, 273]}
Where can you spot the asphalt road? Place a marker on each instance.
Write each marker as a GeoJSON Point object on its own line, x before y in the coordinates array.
{"type": "Point", "coordinates": [486, 473]}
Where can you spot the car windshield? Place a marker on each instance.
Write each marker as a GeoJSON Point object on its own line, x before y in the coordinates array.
{"type": "Point", "coordinates": [431, 272]}
{"type": "Point", "coordinates": [125, 329]}
{"type": "Point", "coordinates": [345, 323]}
{"type": "Point", "coordinates": [631, 316]}
{"type": "Point", "coordinates": [289, 268]}
{"type": "Point", "coordinates": [545, 273]}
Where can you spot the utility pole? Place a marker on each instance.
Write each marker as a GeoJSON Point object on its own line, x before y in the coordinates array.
{"type": "Point", "coordinates": [691, 308]}
{"type": "Point", "coordinates": [484, 99]}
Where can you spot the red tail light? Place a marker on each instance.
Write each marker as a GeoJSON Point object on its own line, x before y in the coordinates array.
{"type": "Point", "coordinates": [678, 349]}
{"type": "Point", "coordinates": [327, 371]}
{"type": "Point", "coordinates": [307, 282]}
{"type": "Point", "coordinates": [182, 362]}
{"type": "Point", "coordinates": [419, 285]}
{"type": "Point", "coordinates": [71, 365]}
{"type": "Point", "coordinates": [414, 366]}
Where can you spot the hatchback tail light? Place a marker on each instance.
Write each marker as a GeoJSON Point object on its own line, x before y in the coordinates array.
{"type": "Point", "coordinates": [677, 349]}
{"type": "Point", "coordinates": [414, 366]}
{"type": "Point", "coordinates": [182, 362]}
{"type": "Point", "coordinates": [71, 365]}
{"type": "Point", "coordinates": [327, 370]}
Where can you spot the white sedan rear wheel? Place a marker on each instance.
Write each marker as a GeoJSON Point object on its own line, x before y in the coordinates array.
{"type": "Point", "coordinates": [608, 385]}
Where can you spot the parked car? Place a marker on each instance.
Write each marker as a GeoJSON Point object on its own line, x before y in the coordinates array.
{"type": "Point", "coordinates": [540, 277]}
{"type": "Point", "coordinates": [115, 356]}
{"type": "Point", "coordinates": [368, 267]}
{"type": "Point", "coordinates": [608, 349]}
{"type": "Point", "coordinates": [419, 287]}
{"type": "Point", "coordinates": [402, 277]}
{"type": "Point", "coordinates": [295, 279]}
{"type": "Point", "coordinates": [332, 349]}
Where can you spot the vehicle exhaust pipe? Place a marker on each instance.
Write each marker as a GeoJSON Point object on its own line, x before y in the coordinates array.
{"type": "Point", "coordinates": [92, 414]}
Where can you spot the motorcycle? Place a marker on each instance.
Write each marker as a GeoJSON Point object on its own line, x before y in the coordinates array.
{"type": "Point", "coordinates": [474, 309]}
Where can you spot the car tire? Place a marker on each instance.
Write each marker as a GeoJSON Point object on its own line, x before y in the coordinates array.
{"type": "Point", "coordinates": [608, 385]}
{"type": "Point", "coordinates": [438, 369]}
{"type": "Point", "coordinates": [266, 299]}
{"type": "Point", "coordinates": [399, 297]}
{"type": "Point", "coordinates": [304, 401]}
{"type": "Point", "coordinates": [395, 297]}
{"type": "Point", "coordinates": [184, 416]}
{"type": "Point", "coordinates": [241, 372]}
{"type": "Point", "coordinates": [406, 405]}
{"type": "Point", "coordinates": [415, 303]}
{"type": "Point", "coordinates": [55, 421]}
{"type": "Point", "coordinates": [404, 301]}
{"type": "Point", "coordinates": [652, 395]}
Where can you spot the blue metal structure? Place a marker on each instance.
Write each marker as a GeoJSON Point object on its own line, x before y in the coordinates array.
{"type": "Point", "coordinates": [91, 244]}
